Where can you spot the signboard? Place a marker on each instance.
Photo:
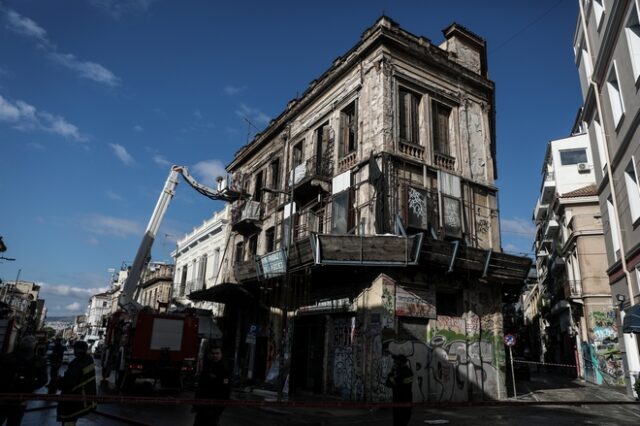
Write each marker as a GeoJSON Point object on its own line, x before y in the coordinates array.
{"type": "Point", "coordinates": [509, 340]}
{"type": "Point", "coordinates": [415, 302]}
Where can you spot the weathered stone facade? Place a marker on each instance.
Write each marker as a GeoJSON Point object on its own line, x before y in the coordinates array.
{"type": "Point", "coordinates": [370, 225]}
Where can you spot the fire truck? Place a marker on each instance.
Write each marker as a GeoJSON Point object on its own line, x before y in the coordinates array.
{"type": "Point", "coordinates": [145, 344]}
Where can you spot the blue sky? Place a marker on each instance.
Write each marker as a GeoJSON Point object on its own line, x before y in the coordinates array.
{"type": "Point", "coordinates": [99, 97]}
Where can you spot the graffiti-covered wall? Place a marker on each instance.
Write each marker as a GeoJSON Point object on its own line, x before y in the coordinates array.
{"type": "Point", "coordinates": [601, 353]}
{"type": "Point", "coordinates": [453, 358]}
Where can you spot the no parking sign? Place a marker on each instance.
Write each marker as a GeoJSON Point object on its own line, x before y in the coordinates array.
{"type": "Point", "coordinates": [509, 340]}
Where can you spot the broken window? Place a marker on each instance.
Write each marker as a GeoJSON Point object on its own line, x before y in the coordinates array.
{"type": "Point", "coordinates": [348, 130]}
{"type": "Point", "coordinates": [324, 150]}
{"type": "Point", "coordinates": [239, 254]}
{"type": "Point", "coordinates": [257, 194]}
{"type": "Point", "coordinates": [297, 153]}
{"type": "Point", "coordinates": [408, 107]}
{"type": "Point", "coordinates": [270, 239]}
{"type": "Point", "coordinates": [440, 115]}
{"type": "Point", "coordinates": [275, 173]}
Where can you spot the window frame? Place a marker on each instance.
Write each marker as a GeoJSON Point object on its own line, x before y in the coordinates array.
{"type": "Point", "coordinates": [349, 129]}
{"type": "Point", "coordinates": [614, 92]}
{"type": "Point", "coordinates": [409, 123]}
{"type": "Point", "coordinates": [633, 190]}
{"type": "Point", "coordinates": [436, 128]}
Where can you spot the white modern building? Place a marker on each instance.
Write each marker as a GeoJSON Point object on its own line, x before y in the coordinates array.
{"type": "Point", "coordinates": [200, 260]}
{"type": "Point", "coordinates": [98, 309]}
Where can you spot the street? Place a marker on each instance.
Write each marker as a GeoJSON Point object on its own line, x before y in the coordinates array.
{"type": "Point", "coordinates": [543, 388]}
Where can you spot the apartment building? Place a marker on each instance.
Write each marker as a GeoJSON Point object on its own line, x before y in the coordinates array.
{"type": "Point", "coordinates": [155, 286]}
{"type": "Point", "coordinates": [574, 317]}
{"type": "Point", "coordinates": [607, 53]}
{"type": "Point", "coordinates": [369, 226]}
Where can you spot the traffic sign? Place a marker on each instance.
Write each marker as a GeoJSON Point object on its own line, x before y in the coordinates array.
{"type": "Point", "coordinates": [509, 340]}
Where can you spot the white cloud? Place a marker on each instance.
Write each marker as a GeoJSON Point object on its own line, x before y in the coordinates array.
{"type": "Point", "coordinates": [93, 241]}
{"type": "Point", "coordinates": [122, 154]}
{"type": "Point", "coordinates": [75, 306]}
{"type": "Point", "coordinates": [114, 196]}
{"type": "Point", "coordinates": [519, 226]}
{"type": "Point", "coordinates": [209, 170]}
{"type": "Point", "coordinates": [233, 90]}
{"type": "Point", "coordinates": [25, 117]}
{"type": "Point", "coordinates": [252, 114]}
{"type": "Point", "coordinates": [25, 26]}
{"type": "Point", "coordinates": [69, 291]}
{"type": "Point", "coordinates": [117, 8]}
{"type": "Point", "coordinates": [161, 161]}
{"type": "Point", "coordinates": [137, 128]}
{"type": "Point", "coordinates": [86, 69]}
{"type": "Point", "coordinates": [108, 225]}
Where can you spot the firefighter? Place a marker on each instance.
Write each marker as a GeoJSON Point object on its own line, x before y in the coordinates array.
{"type": "Point", "coordinates": [214, 383]}
{"type": "Point", "coordinates": [400, 380]}
{"type": "Point", "coordinates": [79, 379]}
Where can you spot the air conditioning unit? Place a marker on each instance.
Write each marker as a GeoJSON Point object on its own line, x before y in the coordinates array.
{"type": "Point", "coordinates": [584, 167]}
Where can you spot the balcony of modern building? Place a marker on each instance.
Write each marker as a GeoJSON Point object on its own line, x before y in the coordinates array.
{"type": "Point", "coordinates": [541, 209]}
{"type": "Point", "coordinates": [548, 188]}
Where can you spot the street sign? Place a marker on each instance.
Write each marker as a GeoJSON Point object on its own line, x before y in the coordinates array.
{"type": "Point", "coordinates": [509, 340]}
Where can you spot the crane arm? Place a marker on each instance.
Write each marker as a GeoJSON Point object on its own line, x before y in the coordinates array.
{"type": "Point", "coordinates": [144, 251]}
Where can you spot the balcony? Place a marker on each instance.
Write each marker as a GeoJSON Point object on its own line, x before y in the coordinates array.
{"type": "Point", "coordinates": [551, 228]}
{"type": "Point", "coordinates": [548, 189]}
{"type": "Point", "coordinates": [540, 212]}
{"type": "Point", "coordinates": [445, 162]}
{"type": "Point", "coordinates": [573, 289]}
{"type": "Point", "coordinates": [311, 177]}
{"type": "Point", "coordinates": [245, 217]}
{"type": "Point", "coordinates": [411, 150]}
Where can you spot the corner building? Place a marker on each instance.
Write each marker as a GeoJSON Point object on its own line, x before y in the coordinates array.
{"type": "Point", "coordinates": [370, 226]}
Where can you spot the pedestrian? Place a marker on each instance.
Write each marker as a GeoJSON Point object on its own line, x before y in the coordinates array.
{"type": "Point", "coordinates": [55, 362]}
{"type": "Point", "coordinates": [400, 380]}
{"type": "Point", "coordinates": [21, 371]}
{"type": "Point", "coordinates": [79, 379]}
{"type": "Point", "coordinates": [214, 383]}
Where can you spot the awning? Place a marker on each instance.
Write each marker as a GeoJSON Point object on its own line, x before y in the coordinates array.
{"type": "Point", "coordinates": [631, 322]}
{"type": "Point", "coordinates": [222, 293]}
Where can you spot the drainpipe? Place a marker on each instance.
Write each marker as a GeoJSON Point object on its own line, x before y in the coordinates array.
{"type": "Point", "coordinates": [630, 342]}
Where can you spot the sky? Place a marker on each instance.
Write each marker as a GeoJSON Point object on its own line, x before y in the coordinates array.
{"type": "Point", "coordinates": [98, 98]}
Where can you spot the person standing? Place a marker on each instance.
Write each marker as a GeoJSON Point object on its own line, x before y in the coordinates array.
{"type": "Point", "coordinates": [400, 380]}
{"type": "Point", "coordinates": [55, 362]}
{"type": "Point", "coordinates": [214, 383]}
{"type": "Point", "coordinates": [79, 379]}
{"type": "Point", "coordinates": [21, 371]}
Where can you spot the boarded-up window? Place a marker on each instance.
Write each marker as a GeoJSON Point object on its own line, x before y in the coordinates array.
{"type": "Point", "coordinates": [408, 107]}
{"type": "Point", "coordinates": [452, 219]}
{"type": "Point", "coordinates": [417, 211]}
{"type": "Point", "coordinates": [440, 115]}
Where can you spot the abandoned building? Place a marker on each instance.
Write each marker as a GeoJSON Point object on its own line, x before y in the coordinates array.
{"type": "Point", "coordinates": [370, 227]}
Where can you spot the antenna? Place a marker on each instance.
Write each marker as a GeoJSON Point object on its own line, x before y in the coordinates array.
{"type": "Point", "coordinates": [249, 126]}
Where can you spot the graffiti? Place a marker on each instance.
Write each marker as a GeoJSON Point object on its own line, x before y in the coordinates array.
{"type": "Point", "coordinates": [388, 299]}
{"type": "Point", "coordinates": [343, 371]}
{"type": "Point", "coordinates": [449, 367]}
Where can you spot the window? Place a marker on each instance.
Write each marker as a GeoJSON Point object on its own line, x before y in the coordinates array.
{"type": "Point", "coordinates": [216, 262]}
{"type": "Point", "coordinates": [348, 130]}
{"type": "Point", "coordinates": [449, 303]}
{"type": "Point", "coordinates": [239, 254]}
{"type": "Point", "coordinates": [298, 153]}
{"type": "Point", "coordinates": [270, 240]}
{"type": "Point", "coordinates": [633, 191]}
{"type": "Point", "coordinates": [275, 173]}
{"type": "Point", "coordinates": [408, 107]}
{"type": "Point", "coordinates": [638, 277]}
{"type": "Point", "coordinates": [615, 96]}
{"type": "Point", "coordinates": [324, 150]}
{"type": "Point", "coordinates": [451, 215]}
{"type": "Point", "coordinates": [597, 129]}
{"type": "Point", "coordinates": [257, 194]}
{"type": "Point", "coordinates": [573, 156]}
{"type": "Point", "coordinates": [253, 245]}
{"type": "Point", "coordinates": [613, 228]}
{"type": "Point", "coordinates": [598, 12]}
{"type": "Point", "coordinates": [202, 270]}
{"type": "Point", "coordinates": [341, 213]}
{"type": "Point", "coordinates": [183, 280]}
{"type": "Point", "coordinates": [633, 40]}
{"type": "Point", "coordinates": [440, 115]}
{"type": "Point", "coordinates": [417, 216]}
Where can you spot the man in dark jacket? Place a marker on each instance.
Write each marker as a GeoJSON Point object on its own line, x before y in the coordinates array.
{"type": "Point", "coordinates": [400, 380]}
{"type": "Point", "coordinates": [214, 383]}
{"type": "Point", "coordinates": [79, 379]}
{"type": "Point", "coordinates": [55, 362]}
{"type": "Point", "coordinates": [21, 371]}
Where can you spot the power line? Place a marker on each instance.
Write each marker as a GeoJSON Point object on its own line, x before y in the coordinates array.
{"type": "Point", "coordinates": [525, 28]}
